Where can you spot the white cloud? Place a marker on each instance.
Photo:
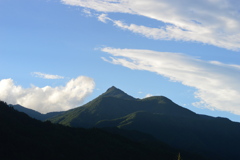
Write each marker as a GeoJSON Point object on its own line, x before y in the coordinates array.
{"type": "Point", "coordinates": [214, 22]}
{"type": "Point", "coordinates": [148, 95]}
{"type": "Point", "coordinates": [46, 76]}
{"type": "Point", "coordinates": [47, 99]}
{"type": "Point", "coordinates": [217, 83]}
{"type": "Point", "coordinates": [87, 12]}
{"type": "Point", "coordinates": [101, 5]}
{"type": "Point", "coordinates": [103, 18]}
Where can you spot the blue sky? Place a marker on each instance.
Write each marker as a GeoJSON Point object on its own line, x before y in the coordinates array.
{"type": "Point", "coordinates": [60, 54]}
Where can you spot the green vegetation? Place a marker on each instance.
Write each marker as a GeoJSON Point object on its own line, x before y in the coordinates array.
{"type": "Point", "coordinates": [216, 138]}
{"type": "Point", "coordinates": [24, 138]}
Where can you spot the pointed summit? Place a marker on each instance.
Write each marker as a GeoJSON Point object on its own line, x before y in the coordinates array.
{"type": "Point", "coordinates": [115, 92]}
{"type": "Point", "coordinates": [112, 89]}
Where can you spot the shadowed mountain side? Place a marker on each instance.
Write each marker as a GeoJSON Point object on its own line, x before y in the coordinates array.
{"type": "Point", "coordinates": [24, 138]}
{"type": "Point", "coordinates": [217, 138]}
{"type": "Point", "coordinates": [35, 114]}
{"type": "Point", "coordinates": [210, 137]}
{"type": "Point", "coordinates": [104, 108]}
{"type": "Point", "coordinates": [152, 142]}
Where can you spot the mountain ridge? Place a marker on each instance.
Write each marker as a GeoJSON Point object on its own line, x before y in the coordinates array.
{"type": "Point", "coordinates": [213, 137]}
{"type": "Point", "coordinates": [25, 138]}
{"type": "Point", "coordinates": [35, 114]}
{"type": "Point", "coordinates": [112, 106]}
{"type": "Point", "coordinates": [161, 118]}
{"type": "Point", "coordinates": [115, 92]}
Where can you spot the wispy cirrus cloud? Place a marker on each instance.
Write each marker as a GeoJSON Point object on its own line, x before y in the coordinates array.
{"type": "Point", "coordinates": [47, 99]}
{"type": "Point", "coordinates": [211, 22]}
{"type": "Point", "coordinates": [217, 84]}
{"type": "Point", "coordinates": [46, 76]}
{"type": "Point", "coordinates": [104, 18]}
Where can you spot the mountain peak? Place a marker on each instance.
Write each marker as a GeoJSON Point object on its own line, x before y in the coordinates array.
{"type": "Point", "coordinates": [112, 88]}
{"type": "Point", "coordinates": [161, 99]}
{"type": "Point", "coordinates": [115, 92]}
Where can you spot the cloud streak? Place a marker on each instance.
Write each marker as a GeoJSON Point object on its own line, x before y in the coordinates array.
{"type": "Point", "coordinates": [46, 76]}
{"type": "Point", "coordinates": [47, 99]}
{"type": "Point", "coordinates": [217, 84]}
{"type": "Point", "coordinates": [214, 22]}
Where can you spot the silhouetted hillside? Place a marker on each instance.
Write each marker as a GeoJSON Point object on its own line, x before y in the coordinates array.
{"type": "Point", "coordinates": [24, 138]}
{"type": "Point", "coordinates": [217, 138]}
{"type": "Point", "coordinates": [35, 114]}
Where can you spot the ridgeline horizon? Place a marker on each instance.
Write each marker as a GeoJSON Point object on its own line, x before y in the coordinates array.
{"type": "Point", "coordinates": [216, 138]}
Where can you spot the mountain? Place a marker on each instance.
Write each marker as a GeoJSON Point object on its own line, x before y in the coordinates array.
{"type": "Point", "coordinates": [25, 138]}
{"type": "Point", "coordinates": [35, 114]}
{"type": "Point", "coordinates": [115, 92]}
{"type": "Point", "coordinates": [216, 138]}
{"type": "Point", "coordinates": [113, 104]}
